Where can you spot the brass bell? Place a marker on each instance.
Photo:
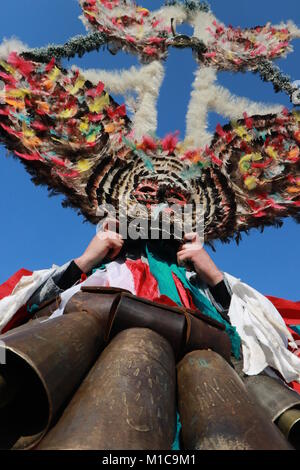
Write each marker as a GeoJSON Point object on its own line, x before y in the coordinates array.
{"type": "Point", "coordinates": [46, 360]}
{"type": "Point", "coordinates": [280, 402]}
{"type": "Point", "coordinates": [127, 401]}
{"type": "Point", "coordinates": [217, 412]}
{"type": "Point", "coordinates": [289, 425]}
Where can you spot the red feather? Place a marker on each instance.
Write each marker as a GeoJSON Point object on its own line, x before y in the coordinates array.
{"type": "Point", "coordinates": [93, 92]}
{"type": "Point", "coordinates": [24, 66]}
{"type": "Point", "coordinates": [50, 66]}
{"type": "Point", "coordinates": [170, 142]}
{"type": "Point", "coordinates": [30, 157]}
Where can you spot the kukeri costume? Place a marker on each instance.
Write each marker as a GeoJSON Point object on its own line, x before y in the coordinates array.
{"type": "Point", "coordinates": [72, 136]}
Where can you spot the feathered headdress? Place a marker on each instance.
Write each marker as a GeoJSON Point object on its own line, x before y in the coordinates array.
{"type": "Point", "coordinates": [71, 135]}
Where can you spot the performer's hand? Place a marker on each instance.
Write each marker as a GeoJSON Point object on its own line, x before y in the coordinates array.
{"type": "Point", "coordinates": [106, 244]}
{"type": "Point", "coordinates": [193, 252]}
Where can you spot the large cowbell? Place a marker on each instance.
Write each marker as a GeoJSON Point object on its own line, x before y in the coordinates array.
{"type": "Point", "coordinates": [126, 402]}
{"type": "Point", "coordinates": [216, 410]}
{"type": "Point", "coordinates": [127, 398]}
{"type": "Point", "coordinates": [46, 360]}
{"type": "Point", "coordinates": [62, 376]}
{"type": "Point", "coordinates": [280, 402]}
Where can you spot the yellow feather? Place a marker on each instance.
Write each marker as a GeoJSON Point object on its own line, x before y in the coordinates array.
{"type": "Point", "coordinates": [54, 74]}
{"type": "Point", "coordinates": [21, 93]}
{"type": "Point", "coordinates": [68, 113]}
{"type": "Point", "coordinates": [271, 152]}
{"type": "Point", "coordinates": [7, 67]}
{"type": "Point", "coordinates": [99, 103]}
{"type": "Point", "coordinates": [84, 126]}
{"type": "Point", "coordinates": [84, 165]}
{"type": "Point", "coordinates": [251, 183]}
{"type": "Point", "coordinates": [31, 142]}
{"type": "Point", "coordinates": [26, 131]}
{"type": "Point", "coordinates": [43, 106]}
{"type": "Point", "coordinates": [78, 85]}
{"type": "Point", "coordinates": [242, 133]}
{"type": "Point", "coordinates": [293, 190]}
{"type": "Point", "coordinates": [91, 138]}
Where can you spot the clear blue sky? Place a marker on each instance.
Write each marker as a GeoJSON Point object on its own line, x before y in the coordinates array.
{"type": "Point", "coordinates": [37, 232]}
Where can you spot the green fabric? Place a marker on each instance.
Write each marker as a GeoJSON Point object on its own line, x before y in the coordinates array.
{"type": "Point", "coordinates": [32, 309]}
{"type": "Point", "coordinates": [101, 267]}
{"type": "Point", "coordinates": [162, 271]}
{"type": "Point", "coordinates": [176, 443]}
{"type": "Point", "coordinates": [296, 329]}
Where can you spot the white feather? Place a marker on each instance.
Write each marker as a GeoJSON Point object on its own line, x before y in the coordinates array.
{"type": "Point", "coordinates": [11, 45]}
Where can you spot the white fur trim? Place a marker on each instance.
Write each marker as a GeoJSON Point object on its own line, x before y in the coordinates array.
{"type": "Point", "coordinates": [145, 81]}
{"type": "Point", "coordinates": [207, 96]}
{"type": "Point", "coordinates": [201, 22]}
{"type": "Point", "coordinates": [11, 45]}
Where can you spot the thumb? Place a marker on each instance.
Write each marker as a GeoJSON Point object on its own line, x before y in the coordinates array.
{"type": "Point", "coordinates": [190, 237]}
{"type": "Point", "coordinates": [110, 225]}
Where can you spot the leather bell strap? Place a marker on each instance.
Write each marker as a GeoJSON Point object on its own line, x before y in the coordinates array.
{"type": "Point", "coordinates": [46, 309]}
{"type": "Point", "coordinates": [134, 312]}
{"type": "Point", "coordinates": [174, 323]}
{"type": "Point", "coordinates": [114, 305]}
{"type": "Point", "coordinates": [188, 324]}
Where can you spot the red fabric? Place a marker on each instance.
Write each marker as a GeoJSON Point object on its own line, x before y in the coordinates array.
{"type": "Point", "coordinates": [146, 285]}
{"type": "Point", "coordinates": [6, 289]}
{"type": "Point", "coordinates": [295, 386]}
{"type": "Point", "coordinates": [8, 286]}
{"type": "Point", "coordinates": [290, 312]}
{"type": "Point", "coordinates": [163, 299]}
{"type": "Point", "coordinates": [18, 319]}
{"type": "Point", "coordinates": [184, 294]}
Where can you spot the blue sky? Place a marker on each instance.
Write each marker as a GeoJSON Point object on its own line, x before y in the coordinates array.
{"type": "Point", "coordinates": [35, 231]}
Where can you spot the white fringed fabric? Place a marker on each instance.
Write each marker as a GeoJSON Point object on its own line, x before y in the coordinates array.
{"type": "Point", "coordinates": [265, 337]}
{"type": "Point", "coordinates": [10, 305]}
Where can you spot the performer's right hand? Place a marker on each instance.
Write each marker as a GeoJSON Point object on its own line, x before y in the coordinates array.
{"type": "Point", "coordinates": [193, 252]}
{"type": "Point", "coordinates": [106, 244]}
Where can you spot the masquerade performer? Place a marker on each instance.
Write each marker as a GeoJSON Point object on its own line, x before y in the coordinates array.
{"type": "Point", "coordinates": [70, 134]}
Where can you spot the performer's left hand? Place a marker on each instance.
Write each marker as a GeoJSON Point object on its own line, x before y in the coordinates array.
{"type": "Point", "coordinates": [193, 252]}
